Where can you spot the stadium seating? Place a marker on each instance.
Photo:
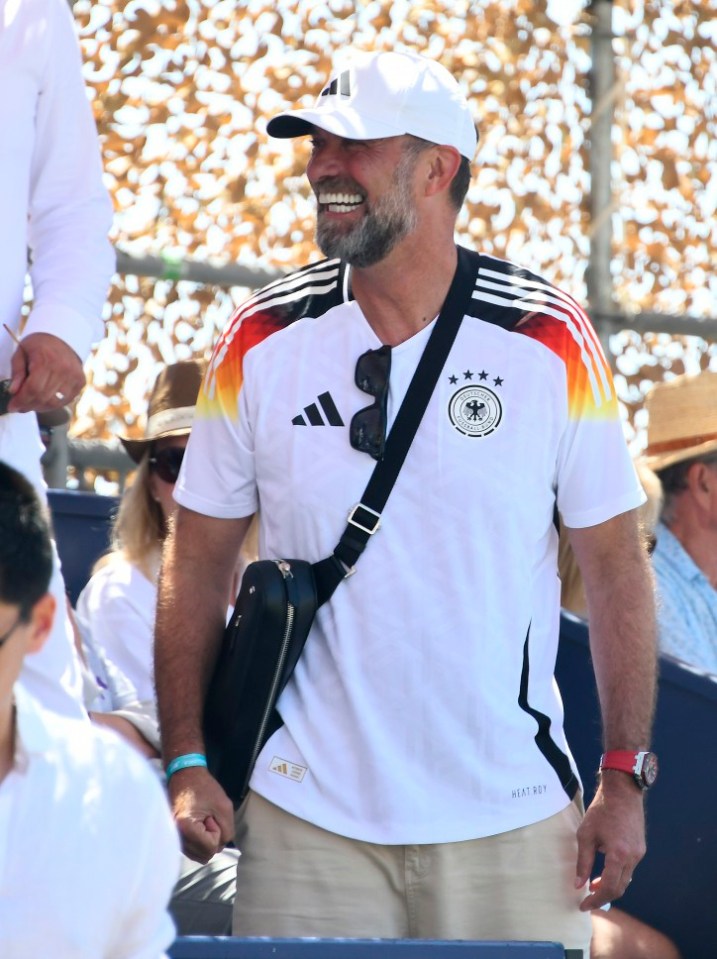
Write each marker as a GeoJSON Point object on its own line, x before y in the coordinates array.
{"type": "Point", "coordinates": [674, 886]}
{"type": "Point", "coordinates": [82, 526]}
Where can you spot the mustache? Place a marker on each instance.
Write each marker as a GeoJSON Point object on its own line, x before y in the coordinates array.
{"type": "Point", "coordinates": [337, 184]}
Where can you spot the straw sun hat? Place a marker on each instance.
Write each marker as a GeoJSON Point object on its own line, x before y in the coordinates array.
{"type": "Point", "coordinates": [682, 422]}
{"type": "Point", "coordinates": [171, 406]}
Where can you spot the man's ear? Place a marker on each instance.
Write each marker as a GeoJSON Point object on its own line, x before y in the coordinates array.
{"type": "Point", "coordinates": [701, 481]}
{"type": "Point", "coordinates": [443, 166]}
{"type": "Point", "coordinates": [41, 622]}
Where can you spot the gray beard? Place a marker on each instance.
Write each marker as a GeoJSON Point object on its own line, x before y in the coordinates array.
{"type": "Point", "coordinates": [382, 228]}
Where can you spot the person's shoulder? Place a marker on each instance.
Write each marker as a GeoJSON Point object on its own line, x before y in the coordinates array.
{"type": "Point", "coordinates": [94, 761]}
{"type": "Point", "coordinates": [517, 298]}
{"type": "Point", "coordinates": [308, 292]}
{"type": "Point", "coordinates": [114, 580]}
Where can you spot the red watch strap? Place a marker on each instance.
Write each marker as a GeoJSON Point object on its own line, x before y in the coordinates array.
{"type": "Point", "coordinates": [622, 759]}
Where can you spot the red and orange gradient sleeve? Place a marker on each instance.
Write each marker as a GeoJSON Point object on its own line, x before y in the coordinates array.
{"type": "Point", "coordinates": [591, 391]}
{"type": "Point", "coordinates": [223, 381]}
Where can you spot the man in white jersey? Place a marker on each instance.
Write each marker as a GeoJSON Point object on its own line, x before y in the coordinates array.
{"type": "Point", "coordinates": [56, 215]}
{"type": "Point", "coordinates": [420, 784]}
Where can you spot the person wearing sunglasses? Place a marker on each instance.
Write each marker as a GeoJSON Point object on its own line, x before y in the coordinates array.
{"type": "Point", "coordinates": [421, 784]}
{"type": "Point", "coordinates": [85, 827]}
{"type": "Point", "coordinates": [118, 602]}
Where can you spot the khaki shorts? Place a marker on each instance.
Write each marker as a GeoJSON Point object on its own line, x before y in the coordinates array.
{"type": "Point", "coordinates": [296, 880]}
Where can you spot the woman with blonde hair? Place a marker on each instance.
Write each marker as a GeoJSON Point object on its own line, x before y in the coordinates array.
{"type": "Point", "coordinates": [118, 603]}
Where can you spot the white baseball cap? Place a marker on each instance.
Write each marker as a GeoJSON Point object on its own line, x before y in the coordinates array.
{"type": "Point", "coordinates": [386, 95]}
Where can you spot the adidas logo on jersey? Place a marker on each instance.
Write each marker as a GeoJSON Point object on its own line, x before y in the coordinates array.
{"type": "Point", "coordinates": [312, 414]}
{"type": "Point", "coordinates": [287, 769]}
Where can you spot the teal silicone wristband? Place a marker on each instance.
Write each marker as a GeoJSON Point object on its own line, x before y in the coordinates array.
{"type": "Point", "coordinates": [184, 762]}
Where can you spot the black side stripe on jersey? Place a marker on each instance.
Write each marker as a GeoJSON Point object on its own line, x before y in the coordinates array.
{"type": "Point", "coordinates": [543, 740]}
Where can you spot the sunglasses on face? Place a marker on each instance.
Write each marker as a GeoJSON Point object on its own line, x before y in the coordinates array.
{"type": "Point", "coordinates": [367, 432]}
{"type": "Point", "coordinates": [166, 463]}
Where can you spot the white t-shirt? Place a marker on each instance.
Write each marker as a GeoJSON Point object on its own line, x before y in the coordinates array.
{"type": "Point", "coordinates": [424, 707]}
{"type": "Point", "coordinates": [118, 605]}
{"type": "Point", "coordinates": [89, 853]}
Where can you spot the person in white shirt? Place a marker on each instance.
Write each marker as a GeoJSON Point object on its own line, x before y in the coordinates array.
{"type": "Point", "coordinates": [89, 854]}
{"type": "Point", "coordinates": [421, 784]}
{"type": "Point", "coordinates": [118, 603]}
{"type": "Point", "coordinates": [54, 207]}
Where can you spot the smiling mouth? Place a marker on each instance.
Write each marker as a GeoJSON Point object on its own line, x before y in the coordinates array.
{"type": "Point", "coordinates": [339, 202]}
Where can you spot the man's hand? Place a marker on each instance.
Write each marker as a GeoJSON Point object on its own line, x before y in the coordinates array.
{"type": "Point", "coordinates": [203, 813]}
{"type": "Point", "coordinates": [46, 374]}
{"type": "Point", "coordinates": [614, 825]}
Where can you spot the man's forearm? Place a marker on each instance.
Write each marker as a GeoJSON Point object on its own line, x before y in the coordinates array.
{"type": "Point", "coordinates": [191, 614]}
{"type": "Point", "coordinates": [623, 646]}
{"type": "Point", "coordinates": [623, 634]}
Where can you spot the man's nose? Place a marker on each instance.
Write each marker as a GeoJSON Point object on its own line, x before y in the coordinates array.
{"type": "Point", "coordinates": [326, 161]}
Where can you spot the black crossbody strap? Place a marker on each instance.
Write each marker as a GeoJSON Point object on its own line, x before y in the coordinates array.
{"type": "Point", "coordinates": [364, 518]}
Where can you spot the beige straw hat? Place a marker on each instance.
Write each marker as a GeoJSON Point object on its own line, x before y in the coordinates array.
{"type": "Point", "coordinates": [682, 422]}
{"type": "Point", "coordinates": [171, 406]}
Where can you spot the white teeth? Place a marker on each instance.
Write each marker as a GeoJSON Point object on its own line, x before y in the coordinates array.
{"type": "Point", "coordinates": [341, 199]}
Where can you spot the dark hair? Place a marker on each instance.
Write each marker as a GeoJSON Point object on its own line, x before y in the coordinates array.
{"type": "Point", "coordinates": [25, 543]}
{"type": "Point", "coordinates": [460, 182]}
{"type": "Point", "coordinates": [674, 481]}
{"type": "Point", "coordinates": [674, 477]}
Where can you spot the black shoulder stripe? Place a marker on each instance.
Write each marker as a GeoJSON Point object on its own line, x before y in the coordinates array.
{"type": "Point", "coordinates": [481, 307]}
{"type": "Point", "coordinates": [311, 291]}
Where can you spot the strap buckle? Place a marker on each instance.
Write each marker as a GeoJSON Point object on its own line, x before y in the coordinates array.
{"type": "Point", "coordinates": [367, 516]}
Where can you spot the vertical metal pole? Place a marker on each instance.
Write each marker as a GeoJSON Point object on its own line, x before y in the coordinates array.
{"type": "Point", "coordinates": [57, 458]}
{"type": "Point", "coordinates": [603, 92]}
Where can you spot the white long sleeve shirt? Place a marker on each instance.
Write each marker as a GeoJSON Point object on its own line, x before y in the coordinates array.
{"type": "Point", "coordinates": [89, 854]}
{"type": "Point", "coordinates": [52, 200]}
{"type": "Point", "coordinates": [56, 213]}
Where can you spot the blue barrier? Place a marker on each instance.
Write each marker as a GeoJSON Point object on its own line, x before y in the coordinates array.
{"type": "Point", "coordinates": [82, 524]}
{"type": "Point", "coordinates": [675, 885]}
{"type": "Point", "coordinates": [199, 947]}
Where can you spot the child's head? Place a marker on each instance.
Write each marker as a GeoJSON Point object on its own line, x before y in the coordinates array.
{"type": "Point", "coordinates": [26, 606]}
{"type": "Point", "coordinates": [25, 543]}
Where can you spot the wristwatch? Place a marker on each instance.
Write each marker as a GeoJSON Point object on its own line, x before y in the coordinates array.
{"type": "Point", "coordinates": [642, 766]}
